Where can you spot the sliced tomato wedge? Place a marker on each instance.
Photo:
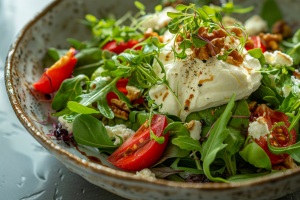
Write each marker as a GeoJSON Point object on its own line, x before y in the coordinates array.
{"type": "Point", "coordinates": [139, 152]}
{"type": "Point", "coordinates": [57, 73]}
{"type": "Point", "coordinates": [113, 46]}
{"type": "Point", "coordinates": [257, 43]}
{"type": "Point", "coordinates": [280, 135]}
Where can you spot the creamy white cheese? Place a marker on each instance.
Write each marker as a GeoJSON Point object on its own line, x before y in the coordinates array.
{"type": "Point", "coordinates": [121, 131]}
{"type": "Point", "coordinates": [159, 20]}
{"type": "Point", "coordinates": [278, 58]}
{"type": "Point", "coordinates": [258, 128]}
{"type": "Point", "coordinates": [255, 25]}
{"type": "Point", "coordinates": [65, 124]}
{"type": "Point", "coordinates": [195, 131]}
{"type": "Point", "coordinates": [146, 174]}
{"type": "Point", "coordinates": [200, 85]}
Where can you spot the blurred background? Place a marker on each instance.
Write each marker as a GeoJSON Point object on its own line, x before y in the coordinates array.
{"type": "Point", "coordinates": [27, 170]}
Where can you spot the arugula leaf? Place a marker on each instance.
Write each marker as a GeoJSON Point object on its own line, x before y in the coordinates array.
{"type": "Point", "coordinates": [186, 169]}
{"type": "Point", "coordinates": [89, 131]}
{"type": "Point", "coordinates": [214, 143]}
{"type": "Point", "coordinates": [68, 91]}
{"type": "Point", "coordinates": [255, 155]}
{"type": "Point", "coordinates": [99, 93]}
{"type": "Point", "coordinates": [187, 143]}
{"type": "Point", "coordinates": [270, 12]}
{"type": "Point", "coordinates": [237, 127]}
{"type": "Point", "coordinates": [78, 108]}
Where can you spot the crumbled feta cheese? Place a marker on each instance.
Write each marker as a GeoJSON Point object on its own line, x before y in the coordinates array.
{"type": "Point", "coordinates": [255, 25]}
{"type": "Point", "coordinates": [146, 174]}
{"type": "Point", "coordinates": [258, 128]}
{"type": "Point", "coordinates": [158, 20]}
{"type": "Point", "coordinates": [230, 21]}
{"type": "Point", "coordinates": [119, 130]}
{"type": "Point", "coordinates": [195, 130]}
{"type": "Point", "coordinates": [65, 124]}
{"type": "Point", "coordinates": [286, 90]}
{"type": "Point", "coordinates": [278, 58]}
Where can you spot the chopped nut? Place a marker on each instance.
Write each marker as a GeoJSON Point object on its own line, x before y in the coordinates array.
{"type": "Point", "coordinates": [133, 92]}
{"type": "Point", "coordinates": [252, 105]}
{"type": "Point", "coordinates": [149, 33]}
{"type": "Point", "coordinates": [120, 104]}
{"type": "Point", "coordinates": [296, 73]}
{"type": "Point", "coordinates": [234, 57]}
{"type": "Point", "coordinates": [282, 28]}
{"type": "Point", "coordinates": [201, 53]}
{"type": "Point", "coordinates": [271, 41]}
{"type": "Point", "coordinates": [118, 112]}
{"type": "Point", "coordinates": [249, 44]}
{"type": "Point", "coordinates": [191, 124]}
{"type": "Point", "coordinates": [238, 32]}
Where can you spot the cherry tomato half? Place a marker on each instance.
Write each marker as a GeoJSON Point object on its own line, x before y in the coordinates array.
{"type": "Point", "coordinates": [280, 134]}
{"type": "Point", "coordinates": [139, 152]}
{"type": "Point", "coordinates": [257, 43]}
{"type": "Point", "coordinates": [57, 73]}
{"type": "Point", "coordinates": [113, 46]}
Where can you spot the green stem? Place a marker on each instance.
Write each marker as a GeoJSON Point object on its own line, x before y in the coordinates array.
{"type": "Point", "coordinates": [199, 167]}
{"type": "Point", "coordinates": [230, 163]}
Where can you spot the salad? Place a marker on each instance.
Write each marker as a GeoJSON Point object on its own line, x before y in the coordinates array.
{"type": "Point", "coordinates": [187, 93]}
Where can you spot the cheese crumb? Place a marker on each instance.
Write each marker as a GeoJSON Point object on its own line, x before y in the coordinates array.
{"type": "Point", "coordinates": [255, 25]}
{"type": "Point", "coordinates": [278, 58]}
{"type": "Point", "coordinates": [146, 174]}
{"type": "Point", "coordinates": [258, 128]}
{"type": "Point", "coordinates": [195, 130]}
{"type": "Point", "coordinates": [65, 124]}
{"type": "Point", "coordinates": [119, 130]}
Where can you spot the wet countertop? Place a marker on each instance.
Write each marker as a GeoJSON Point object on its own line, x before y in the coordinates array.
{"type": "Point", "coordinates": [27, 170]}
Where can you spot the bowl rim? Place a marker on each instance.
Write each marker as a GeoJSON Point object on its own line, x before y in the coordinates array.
{"type": "Point", "coordinates": [83, 164]}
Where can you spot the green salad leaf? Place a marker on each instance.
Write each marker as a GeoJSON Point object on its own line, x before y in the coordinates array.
{"type": "Point", "coordinates": [89, 131]}
{"type": "Point", "coordinates": [214, 143]}
{"type": "Point", "coordinates": [68, 91]}
{"type": "Point", "coordinates": [255, 155]}
{"type": "Point", "coordinates": [98, 95]}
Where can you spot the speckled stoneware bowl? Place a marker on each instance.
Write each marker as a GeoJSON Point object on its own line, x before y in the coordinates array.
{"type": "Point", "coordinates": [25, 63]}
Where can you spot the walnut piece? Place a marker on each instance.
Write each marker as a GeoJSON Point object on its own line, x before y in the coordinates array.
{"type": "Point", "coordinates": [296, 73]}
{"type": "Point", "coordinates": [252, 105]}
{"type": "Point", "coordinates": [282, 28]}
{"type": "Point", "coordinates": [234, 57]}
{"type": "Point", "coordinates": [149, 33]}
{"type": "Point", "coordinates": [133, 92]}
{"type": "Point", "coordinates": [120, 104]}
{"type": "Point", "coordinates": [271, 41]}
{"type": "Point", "coordinates": [118, 112]}
{"type": "Point", "coordinates": [191, 124]}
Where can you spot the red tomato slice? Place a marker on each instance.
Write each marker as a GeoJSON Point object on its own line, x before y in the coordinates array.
{"type": "Point", "coordinates": [257, 43]}
{"type": "Point", "coordinates": [122, 46]}
{"type": "Point", "coordinates": [281, 133]}
{"type": "Point", "coordinates": [139, 152]}
{"type": "Point", "coordinates": [55, 75]}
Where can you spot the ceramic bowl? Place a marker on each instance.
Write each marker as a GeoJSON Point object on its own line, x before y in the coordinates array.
{"type": "Point", "coordinates": [25, 64]}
